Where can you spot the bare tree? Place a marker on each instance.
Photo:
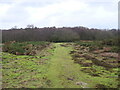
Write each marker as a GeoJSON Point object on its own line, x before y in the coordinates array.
{"type": "Point", "coordinates": [15, 27]}
{"type": "Point", "coordinates": [30, 26]}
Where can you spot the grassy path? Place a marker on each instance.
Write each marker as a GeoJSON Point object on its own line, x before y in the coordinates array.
{"type": "Point", "coordinates": [63, 72]}
{"type": "Point", "coordinates": [52, 68]}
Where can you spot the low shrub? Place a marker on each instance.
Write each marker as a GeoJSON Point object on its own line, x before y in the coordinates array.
{"type": "Point", "coordinates": [93, 45]}
{"type": "Point", "coordinates": [23, 47]}
{"type": "Point", "coordinates": [115, 49]}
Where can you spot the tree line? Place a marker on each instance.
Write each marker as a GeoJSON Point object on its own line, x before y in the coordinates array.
{"type": "Point", "coordinates": [64, 34]}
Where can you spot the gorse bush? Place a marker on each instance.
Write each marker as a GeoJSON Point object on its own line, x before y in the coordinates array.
{"type": "Point", "coordinates": [23, 47]}
{"type": "Point", "coordinates": [93, 45]}
{"type": "Point", "coordinates": [16, 47]}
{"type": "Point", "coordinates": [88, 43]}
{"type": "Point", "coordinates": [115, 49]}
{"type": "Point", "coordinates": [96, 45]}
{"type": "Point", "coordinates": [113, 43]}
{"type": "Point", "coordinates": [37, 43]}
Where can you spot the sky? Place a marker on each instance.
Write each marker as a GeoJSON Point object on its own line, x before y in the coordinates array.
{"type": "Point", "coordinates": [102, 14]}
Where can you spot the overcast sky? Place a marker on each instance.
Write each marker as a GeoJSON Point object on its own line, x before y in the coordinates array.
{"type": "Point", "coordinates": [46, 13]}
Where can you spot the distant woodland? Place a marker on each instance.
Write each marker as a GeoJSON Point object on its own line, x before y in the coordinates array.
{"type": "Point", "coordinates": [64, 34]}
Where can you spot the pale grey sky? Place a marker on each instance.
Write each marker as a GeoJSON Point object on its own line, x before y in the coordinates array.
{"type": "Point", "coordinates": [46, 13]}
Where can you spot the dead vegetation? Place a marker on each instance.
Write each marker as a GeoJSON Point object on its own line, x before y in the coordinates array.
{"type": "Point", "coordinates": [90, 60]}
{"type": "Point", "coordinates": [100, 57]}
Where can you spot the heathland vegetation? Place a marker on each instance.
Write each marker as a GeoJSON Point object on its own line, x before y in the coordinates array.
{"type": "Point", "coordinates": [68, 57]}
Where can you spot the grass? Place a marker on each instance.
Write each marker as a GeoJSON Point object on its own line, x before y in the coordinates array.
{"type": "Point", "coordinates": [56, 70]}
{"type": "Point", "coordinates": [63, 67]}
{"type": "Point", "coordinates": [23, 71]}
